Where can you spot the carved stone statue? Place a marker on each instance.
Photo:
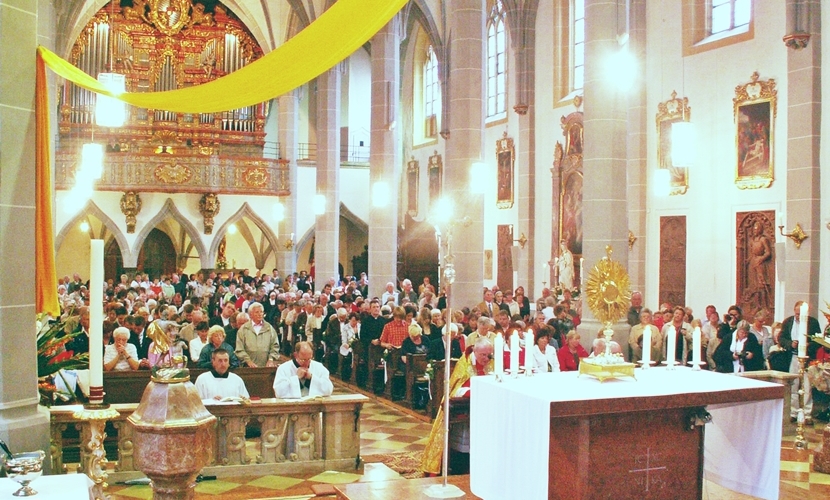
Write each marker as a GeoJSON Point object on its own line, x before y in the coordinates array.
{"type": "Point", "coordinates": [209, 207]}
{"type": "Point", "coordinates": [565, 267]}
{"type": "Point", "coordinates": [130, 207]}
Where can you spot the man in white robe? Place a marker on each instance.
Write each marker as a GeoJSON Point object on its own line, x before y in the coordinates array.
{"type": "Point", "coordinates": [302, 376]}
{"type": "Point", "coordinates": [219, 382]}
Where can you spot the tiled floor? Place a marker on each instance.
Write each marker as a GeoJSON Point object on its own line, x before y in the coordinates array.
{"type": "Point", "coordinates": [388, 429]}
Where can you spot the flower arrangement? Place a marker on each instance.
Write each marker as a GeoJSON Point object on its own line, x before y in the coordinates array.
{"type": "Point", "coordinates": [429, 372]}
{"type": "Point", "coordinates": [52, 357]}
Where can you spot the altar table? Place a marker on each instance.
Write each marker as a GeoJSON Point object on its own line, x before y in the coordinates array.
{"type": "Point", "coordinates": [557, 435]}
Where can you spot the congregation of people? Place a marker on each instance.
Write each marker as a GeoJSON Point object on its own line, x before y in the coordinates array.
{"type": "Point", "coordinates": [229, 322]}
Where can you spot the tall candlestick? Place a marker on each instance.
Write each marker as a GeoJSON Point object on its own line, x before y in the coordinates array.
{"type": "Point", "coordinates": [529, 352]}
{"type": "Point", "coordinates": [803, 321]}
{"type": "Point", "coordinates": [696, 347]}
{"type": "Point", "coordinates": [96, 321]}
{"type": "Point", "coordinates": [514, 354]}
{"type": "Point", "coordinates": [671, 348]}
{"type": "Point", "coordinates": [647, 347]}
{"type": "Point", "coordinates": [498, 360]}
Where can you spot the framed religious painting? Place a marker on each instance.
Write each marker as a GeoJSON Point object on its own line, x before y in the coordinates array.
{"type": "Point", "coordinates": [412, 174]}
{"type": "Point", "coordinates": [505, 156]}
{"type": "Point", "coordinates": [754, 106]}
{"type": "Point", "coordinates": [435, 172]}
{"type": "Point", "coordinates": [668, 113]}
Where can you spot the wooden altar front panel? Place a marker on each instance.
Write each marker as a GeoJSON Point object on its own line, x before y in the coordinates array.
{"type": "Point", "coordinates": [642, 455]}
{"type": "Point", "coordinates": [673, 260]}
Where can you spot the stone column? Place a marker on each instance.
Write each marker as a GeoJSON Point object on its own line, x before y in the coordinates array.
{"type": "Point", "coordinates": [287, 136]}
{"type": "Point", "coordinates": [464, 145]}
{"type": "Point", "coordinates": [638, 120]}
{"type": "Point", "coordinates": [803, 149]}
{"type": "Point", "coordinates": [327, 227]}
{"type": "Point", "coordinates": [385, 155]}
{"type": "Point", "coordinates": [605, 217]}
{"type": "Point", "coordinates": [22, 425]}
{"type": "Point", "coordinates": [524, 48]}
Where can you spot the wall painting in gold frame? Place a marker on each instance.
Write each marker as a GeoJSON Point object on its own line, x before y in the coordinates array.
{"type": "Point", "coordinates": [668, 113]}
{"type": "Point", "coordinates": [412, 174]}
{"type": "Point", "coordinates": [754, 106]}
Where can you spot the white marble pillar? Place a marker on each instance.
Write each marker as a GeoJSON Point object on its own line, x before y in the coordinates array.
{"type": "Point", "coordinates": [287, 136]}
{"type": "Point", "coordinates": [803, 169]}
{"type": "Point", "coordinates": [22, 423]}
{"type": "Point", "coordinates": [605, 206]}
{"type": "Point", "coordinates": [385, 155]}
{"type": "Point", "coordinates": [464, 145]}
{"type": "Point", "coordinates": [327, 227]}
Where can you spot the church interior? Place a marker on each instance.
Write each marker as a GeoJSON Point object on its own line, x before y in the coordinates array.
{"type": "Point", "coordinates": [514, 139]}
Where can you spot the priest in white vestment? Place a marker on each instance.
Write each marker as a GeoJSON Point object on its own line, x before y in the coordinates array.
{"type": "Point", "coordinates": [219, 382]}
{"type": "Point", "coordinates": [302, 376]}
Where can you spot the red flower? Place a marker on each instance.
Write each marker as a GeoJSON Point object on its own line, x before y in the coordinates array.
{"type": "Point", "coordinates": [61, 357]}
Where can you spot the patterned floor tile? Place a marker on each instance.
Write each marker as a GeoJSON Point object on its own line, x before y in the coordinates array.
{"type": "Point", "coordinates": [819, 478]}
{"type": "Point", "coordinates": [275, 482]}
{"type": "Point", "coordinates": [335, 477]}
{"type": "Point", "coordinates": [376, 436]}
{"type": "Point", "coordinates": [390, 445]}
{"type": "Point", "coordinates": [795, 466]}
{"type": "Point", "coordinates": [215, 487]}
{"type": "Point", "coordinates": [139, 491]}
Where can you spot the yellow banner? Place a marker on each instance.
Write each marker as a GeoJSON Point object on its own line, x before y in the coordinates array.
{"type": "Point", "coordinates": [333, 37]}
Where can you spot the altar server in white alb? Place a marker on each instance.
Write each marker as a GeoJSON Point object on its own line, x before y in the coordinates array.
{"type": "Point", "coordinates": [302, 376]}
{"type": "Point", "coordinates": [219, 382]}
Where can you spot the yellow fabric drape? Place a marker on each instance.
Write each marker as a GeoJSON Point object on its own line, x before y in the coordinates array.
{"type": "Point", "coordinates": [333, 37]}
{"type": "Point", "coordinates": [46, 282]}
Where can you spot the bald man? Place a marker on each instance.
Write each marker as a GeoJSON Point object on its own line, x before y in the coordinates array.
{"type": "Point", "coordinates": [302, 376]}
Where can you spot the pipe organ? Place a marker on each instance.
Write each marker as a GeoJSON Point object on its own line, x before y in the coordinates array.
{"type": "Point", "coordinates": [162, 45]}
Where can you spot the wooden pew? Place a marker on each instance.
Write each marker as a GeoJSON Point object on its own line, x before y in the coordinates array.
{"type": "Point", "coordinates": [395, 371]}
{"type": "Point", "coordinates": [375, 365]}
{"type": "Point", "coordinates": [437, 386]}
{"type": "Point", "coordinates": [416, 366]}
{"type": "Point", "coordinates": [128, 386]}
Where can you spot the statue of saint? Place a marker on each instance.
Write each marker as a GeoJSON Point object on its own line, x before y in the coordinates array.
{"type": "Point", "coordinates": [565, 266]}
{"type": "Point", "coordinates": [759, 283]}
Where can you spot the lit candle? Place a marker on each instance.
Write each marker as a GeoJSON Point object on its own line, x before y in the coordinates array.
{"type": "Point", "coordinates": [96, 321]}
{"type": "Point", "coordinates": [514, 354]}
{"type": "Point", "coordinates": [803, 320]}
{"type": "Point", "coordinates": [696, 347]}
{"type": "Point", "coordinates": [647, 347]}
{"type": "Point", "coordinates": [671, 347]}
{"type": "Point", "coordinates": [498, 359]}
{"type": "Point", "coordinates": [529, 352]}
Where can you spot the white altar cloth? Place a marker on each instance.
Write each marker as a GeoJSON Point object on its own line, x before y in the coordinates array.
{"type": "Point", "coordinates": [57, 487]}
{"type": "Point", "coordinates": [508, 461]}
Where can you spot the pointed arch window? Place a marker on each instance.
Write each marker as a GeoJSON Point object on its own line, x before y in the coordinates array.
{"type": "Point", "coordinates": [432, 93]}
{"type": "Point", "coordinates": [578, 45]}
{"type": "Point", "coordinates": [496, 61]}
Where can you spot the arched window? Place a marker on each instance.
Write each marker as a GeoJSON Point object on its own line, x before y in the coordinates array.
{"type": "Point", "coordinates": [578, 45]}
{"type": "Point", "coordinates": [727, 15]}
{"type": "Point", "coordinates": [432, 91]}
{"type": "Point", "coordinates": [496, 61]}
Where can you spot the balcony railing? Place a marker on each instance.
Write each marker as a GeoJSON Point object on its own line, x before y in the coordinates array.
{"type": "Point", "coordinates": [349, 153]}
{"type": "Point", "coordinates": [177, 172]}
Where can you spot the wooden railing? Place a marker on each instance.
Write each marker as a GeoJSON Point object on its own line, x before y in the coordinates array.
{"type": "Point", "coordinates": [308, 436]}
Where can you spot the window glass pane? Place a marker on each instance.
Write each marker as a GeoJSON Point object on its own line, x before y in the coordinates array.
{"type": "Point", "coordinates": [721, 18]}
{"type": "Point", "coordinates": [491, 66]}
{"type": "Point", "coordinates": [742, 12]}
{"type": "Point", "coordinates": [491, 87]}
{"type": "Point", "coordinates": [716, 3]}
{"type": "Point", "coordinates": [579, 77]}
{"type": "Point", "coordinates": [491, 41]}
{"type": "Point", "coordinates": [579, 54]}
{"type": "Point", "coordinates": [579, 31]}
{"type": "Point", "coordinates": [500, 38]}
{"type": "Point", "coordinates": [500, 83]}
{"type": "Point", "coordinates": [491, 106]}
{"type": "Point", "coordinates": [579, 9]}
{"type": "Point", "coordinates": [500, 63]}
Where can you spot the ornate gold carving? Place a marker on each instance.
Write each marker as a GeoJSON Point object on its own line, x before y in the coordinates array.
{"type": "Point", "coordinates": [198, 16]}
{"type": "Point", "coordinates": [169, 16]}
{"type": "Point", "coordinates": [608, 290]}
{"type": "Point", "coordinates": [755, 108]}
{"type": "Point", "coordinates": [668, 113]}
{"type": "Point", "coordinates": [631, 240]}
{"type": "Point", "coordinates": [797, 234]}
{"type": "Point", "coordinates": [209, 206]}
{"type": "Point", "coordinates": [256, 177]}
{"type": "Point", "coordinates": [130, 207]}
{"type": "Point", "coordinates": [172, 174]}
